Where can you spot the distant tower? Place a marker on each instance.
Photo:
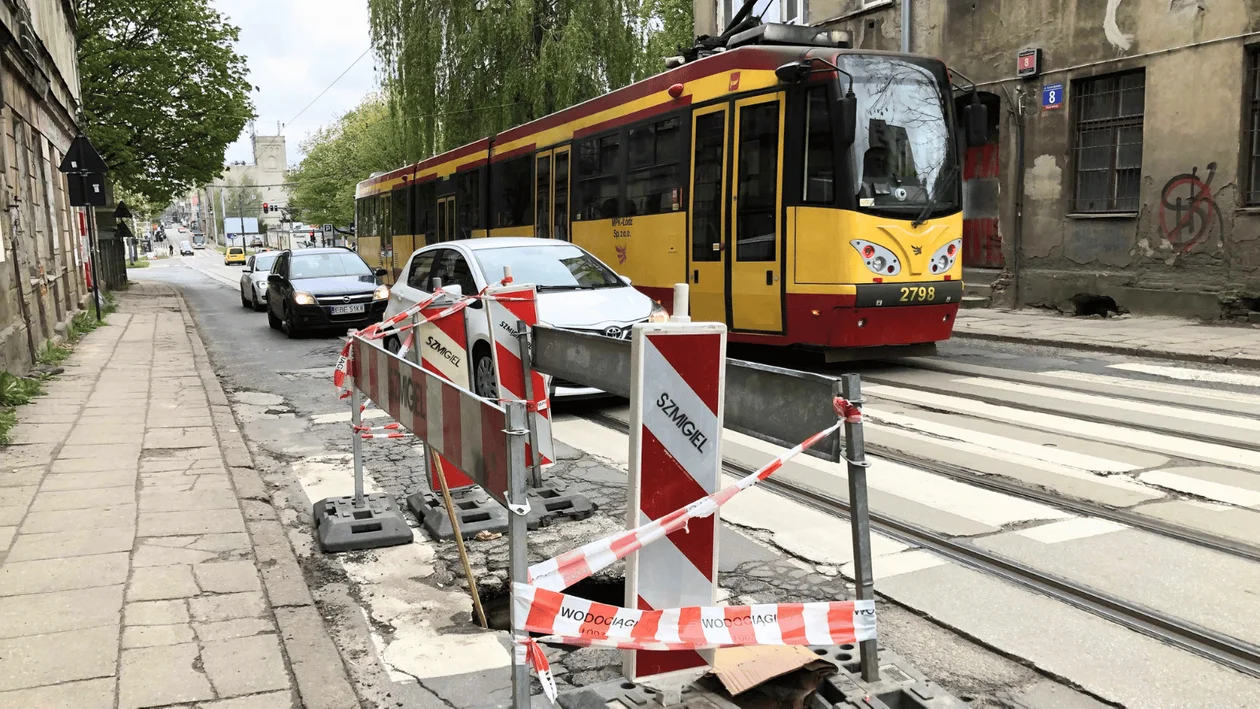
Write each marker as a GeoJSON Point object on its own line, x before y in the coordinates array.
{"type": "Point", "coordinates": [269, 153]}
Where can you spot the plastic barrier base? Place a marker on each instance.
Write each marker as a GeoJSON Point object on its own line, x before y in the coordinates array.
{"type": "Point", "coordinates": [621, 693]}
{"type": "Point", "coordinates": [477, 512]}
{"type": "Point", "coordinates": [340, 526]}
{"type": "Point", "coordinates": [548, 505]}
{"type": "Point", "coordinates": [900, 685]}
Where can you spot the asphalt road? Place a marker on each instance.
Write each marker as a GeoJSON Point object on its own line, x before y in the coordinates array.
{"type": "Point", "coordinates": [1167, 440]}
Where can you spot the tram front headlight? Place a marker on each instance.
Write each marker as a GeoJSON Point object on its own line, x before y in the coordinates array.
{"type": "Point", "coordinates": [946, 256]}
{"type": "Point", "coordinates": [878, 259]}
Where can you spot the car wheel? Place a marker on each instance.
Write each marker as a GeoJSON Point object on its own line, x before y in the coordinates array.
{"type": "Point", "coordinates": [287, 324]}
{"type": "Point", "coordinates": [272, 320]}
{"type": "Point", "coordinates": [245, 301]}
{"type": "Point", "coordinates": [257, 305]}
{"type": "Point", "coordinates": [485, 382]}
{"type": "Point", "coordinates": [392, 344]}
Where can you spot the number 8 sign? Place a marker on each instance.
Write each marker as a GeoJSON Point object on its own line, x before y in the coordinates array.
{"type": "Point", "coordinates": [1051, 96]}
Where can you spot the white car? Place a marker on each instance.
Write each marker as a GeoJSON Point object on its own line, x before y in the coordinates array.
{"type": "Point", "coordinates": [576, 291]}
{"type": "Point", "coordinates": [254, 280]}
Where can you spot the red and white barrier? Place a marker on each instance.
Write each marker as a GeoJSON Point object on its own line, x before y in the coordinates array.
{"type": "Point", "coordinates": [464, 430]}
{"type": "Point", "coordinates": [442, 343]}
{"type": "Point", "coordinates": [505, 305]}
{"type": "Point", "coordinates": [676, 384]}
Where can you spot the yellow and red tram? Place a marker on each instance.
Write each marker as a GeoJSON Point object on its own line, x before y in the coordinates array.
{"type": "Point", "coordinates": [794, 223]}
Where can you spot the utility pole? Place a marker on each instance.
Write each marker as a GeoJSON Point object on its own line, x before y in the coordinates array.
{"type": "Point", "coordinates": [240, 208]}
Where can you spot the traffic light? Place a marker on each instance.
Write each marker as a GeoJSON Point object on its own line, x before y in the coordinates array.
{"type": "Point", "coordinates": [266, 208]}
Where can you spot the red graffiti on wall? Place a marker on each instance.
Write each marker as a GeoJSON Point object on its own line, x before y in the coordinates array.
{"type": "Point", "coordinates": [1193, 209]}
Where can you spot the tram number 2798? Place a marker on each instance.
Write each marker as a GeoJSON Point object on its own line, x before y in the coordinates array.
{"type": "Point", "coordinates": [919, 294]}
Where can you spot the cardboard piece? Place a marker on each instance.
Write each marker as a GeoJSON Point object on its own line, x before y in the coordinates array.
{"type": "Point", "coordinates": [742, 668]}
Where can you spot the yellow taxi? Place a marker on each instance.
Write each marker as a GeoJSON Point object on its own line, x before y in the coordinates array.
{"type": "Point", "coordinates": [235, 254]}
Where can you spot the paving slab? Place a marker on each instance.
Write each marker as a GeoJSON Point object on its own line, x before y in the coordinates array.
{"type": "Point", "coordinates": [171, 612]}
{"type": "Point", "coordinates": [169, 524]}
{"type": "Point", "coordinates": [87, 481]}
{"type": "Point", "coordinates": [58, 657]}
{"type": "Point", "coordinates": [155, 583]}
{"type": "Point", "coordinates": [245, 665]}
{"type": "Point", "coordinates": [188, 437]}
{"type": "Point", "coordinates": [78, 542]}
{"type": "Point", "coordinates": [237, 628]}
{"type": "Point", "coordinates": [85, 694]}
{"type": "Point", "coordinates": [62, 520]}
{"type": "Point", "coordinates": [159, 500]}
{"type": "Point", "coordinates": [157, 676]}
{"type": "Point", "coordinates": [47, 575]}
{"type": "Point", "coordinates": [227, 577]}
{"type": "Point", "coordinates": [56, 500]}
{"type": "Point", "coordinates": [270, 700]}
{"type": "Point", "coordinates": [156, 635]}
{"type": "Point", "coordinates": [42, 613]}
{"type": "Point", "coordinates": [207, 609]}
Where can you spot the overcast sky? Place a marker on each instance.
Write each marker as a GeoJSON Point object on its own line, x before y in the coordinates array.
{"type": "Point", "coordinates": [295, 48]}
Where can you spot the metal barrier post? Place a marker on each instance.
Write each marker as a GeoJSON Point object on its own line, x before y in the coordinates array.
{"type": "Point", "coordinates": [535, 462]}
{"type": "Point", "coordinates": [859, 518]}
{"type": "Point", "coordinates": [356, 442]}
{"type": "Point", "coordinates": [518, 508]}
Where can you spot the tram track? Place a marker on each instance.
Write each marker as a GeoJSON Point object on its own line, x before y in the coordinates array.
{"type": "Point", "coordinates": [1215, 646]}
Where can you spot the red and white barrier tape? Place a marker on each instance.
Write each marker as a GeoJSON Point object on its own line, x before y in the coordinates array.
{"type": "Point", "coordinates": [576, 621]}
{"type": "Point", "coordinates": [379, 436]}
{"type": "Point", "coordinates": [570, 620]}
{"type": "Point", "coordinates": [560, 572]}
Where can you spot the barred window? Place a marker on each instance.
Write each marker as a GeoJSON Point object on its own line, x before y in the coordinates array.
{"type": "Point", "coordinates": [1252, 137]}
{"type": "Point", "coordinates": [1107, 152]}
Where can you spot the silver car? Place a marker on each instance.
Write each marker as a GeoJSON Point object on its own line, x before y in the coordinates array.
{"type": "Point", "coordinates": [576, 291]}
{"type": "Point", "coordinates": [254, 280]}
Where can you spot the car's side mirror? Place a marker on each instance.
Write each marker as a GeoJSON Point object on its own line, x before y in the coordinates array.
{"type": "Point", "coordinates": [453, 290]}
{"type": "Point", "coordinates": [626, 280]}
{"type": "Point", "coordinates": [380, 273]}
{"type": "Point", "coordinates": [274, 278]}
{"type": "Point", "coordinates": [247, 269]}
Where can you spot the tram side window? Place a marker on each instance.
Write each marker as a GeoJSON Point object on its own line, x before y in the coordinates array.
{"type": "Point", "coordinates": [706, 218]}
{"type": "Point", "coordinates": [424, 204]}
{"type": "Point", "coordinates": [598, 186]}
{"type": "Point", "coordinates": [757, 182]}
{"type": "Point", "coordinates": [468, 203]}
{"type": "Point", "coordinates": [513, 182]}
{"type": "Point", "coordinates": [654, 171]}
{"type": "Point", "coordinates": [400, 211]}
{"type": "Point", "coordinates": [820, 168]}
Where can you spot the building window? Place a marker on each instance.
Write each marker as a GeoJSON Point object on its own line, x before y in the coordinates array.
{"type": "Point", "coordinates": [793, 11]}
{"type": "Point", "coordinates": [1107, 150]}
{"type": "Point", "coordinates": [598, 184]}
{"type": "Point", "coordinates": [654, 169]}
{"type": "Point", "coordinates": [1252, 94]}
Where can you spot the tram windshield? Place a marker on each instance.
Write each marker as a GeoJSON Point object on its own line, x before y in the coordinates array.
{"type": "Point", "coordinates": [904, 152]}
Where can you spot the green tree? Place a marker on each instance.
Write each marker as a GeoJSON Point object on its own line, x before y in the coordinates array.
{"type": "Point", "coordinates": [164, 91]}
{"type": "Point", "coordinates": [361, 142]}
{"type": "Point", "coordinates": [459, 70]}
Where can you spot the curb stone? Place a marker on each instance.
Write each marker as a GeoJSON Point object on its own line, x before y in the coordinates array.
{"type": "Point", "coordinates": [317, 666]}
{"type": "Point", "coordinates": [1236, 361]}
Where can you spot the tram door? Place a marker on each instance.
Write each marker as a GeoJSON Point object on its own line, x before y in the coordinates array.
{"type": "Point", "coordinates": [757, 258]}
{"type": "Point", "coordinates": [551, 191]}
{"type": "Point", "coordinates": [446, 218]}
{"type": "Point", "coordinates": [708, 214]}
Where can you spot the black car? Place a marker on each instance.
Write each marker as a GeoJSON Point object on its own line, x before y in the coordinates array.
{"type": "Point", "coordinates": [323, 289]}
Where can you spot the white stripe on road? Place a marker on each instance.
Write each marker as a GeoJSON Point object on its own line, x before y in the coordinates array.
{"type": "Point", "coordinates": [1187, 374]}
{"type": "Point", "coordinates": [1160, 387]}
{"type": "Point", "coordinates": [960, 499]}
{"type": "Point", "coordinates": [987, 442]}
{"type": "Point", "coordinates": [1220, 492]}
{"type": "Point", "coordinates": [1012, 454]}
{"type": "Point", "coordinates": [1069, 529]}
{"type": "Point", "coordinates": [1173, 413]}
{"type": "Point", "coordinates": [1118, 435]}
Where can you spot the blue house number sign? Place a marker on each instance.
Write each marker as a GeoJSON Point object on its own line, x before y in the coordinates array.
{"type": "Point", "coordinates": [1051, 97]}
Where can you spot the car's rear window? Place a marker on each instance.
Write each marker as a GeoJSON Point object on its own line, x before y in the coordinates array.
{"type": "Point", "coordinates": [327, 265]}
{"type": "Point", "coordinates": [564, 267]}
{"type": "Point", "coordinates": [263, 262]}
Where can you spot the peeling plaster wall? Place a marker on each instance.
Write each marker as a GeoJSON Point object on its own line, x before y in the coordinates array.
{"type": "Point", "coordinates": [1195, 258]}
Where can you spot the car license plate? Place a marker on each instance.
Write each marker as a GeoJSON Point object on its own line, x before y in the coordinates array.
{"type": "Point", "coordinates": [348, 309]}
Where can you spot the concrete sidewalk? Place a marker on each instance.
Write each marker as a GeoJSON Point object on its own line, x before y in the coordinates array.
{"type": "Point", "coordinates": [145, 566]}
{"type": "Point", "coordinates": [1162, 337]}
